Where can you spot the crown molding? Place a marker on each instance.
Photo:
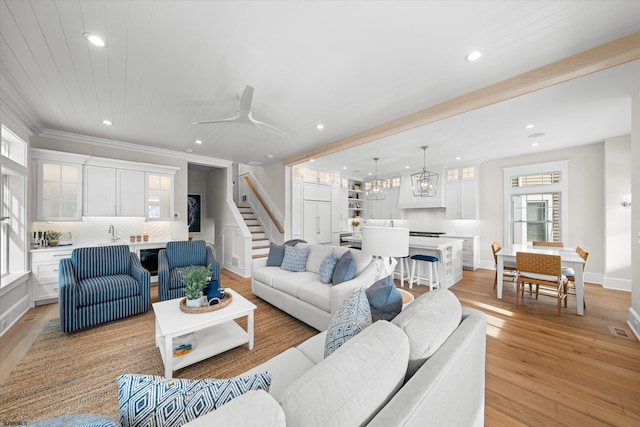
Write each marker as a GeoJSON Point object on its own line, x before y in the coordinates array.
{"type": "Point", "coordinates": [103, 142]}
{"type": "Point", "coordinates": [16, 108]}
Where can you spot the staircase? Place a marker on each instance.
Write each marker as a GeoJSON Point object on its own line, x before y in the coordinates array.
{"type": "Point", "coordinates": [260, 244]}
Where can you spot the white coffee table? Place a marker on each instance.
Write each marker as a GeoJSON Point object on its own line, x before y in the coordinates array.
{"type": "Point", "coordinates": [214, 332]}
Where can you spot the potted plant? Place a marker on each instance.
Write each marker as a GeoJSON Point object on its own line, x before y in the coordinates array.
{"type": "Point", "coordinates": [194, 282]}
{"type": "Point", "coordinates": [52, 237]}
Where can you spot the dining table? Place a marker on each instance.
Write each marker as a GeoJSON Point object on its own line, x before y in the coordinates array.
{"type": "Point", "coordinates": [568, 256]}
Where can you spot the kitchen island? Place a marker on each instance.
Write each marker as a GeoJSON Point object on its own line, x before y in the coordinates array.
{"type": "Point", "coordinates": [448, 251]}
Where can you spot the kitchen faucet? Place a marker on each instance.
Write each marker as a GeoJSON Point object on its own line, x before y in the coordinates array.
{"type": "Point", "coordinates": [112, 230]}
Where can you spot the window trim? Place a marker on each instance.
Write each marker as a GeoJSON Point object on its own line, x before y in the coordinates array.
{"type": "Point", "coordinates": [561, 166]}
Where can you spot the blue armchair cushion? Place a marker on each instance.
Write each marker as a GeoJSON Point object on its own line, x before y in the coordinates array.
{"type": "Point", "coordinates": [97, 290]}
{"type": "Point", "coordinates": [148, 400]}
{"type": "Point", "coordinates": [100, 261]}
{"type": "Point", "coordinates": [185, 253]}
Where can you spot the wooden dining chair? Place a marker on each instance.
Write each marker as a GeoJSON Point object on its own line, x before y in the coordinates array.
{"type": "Point", "coordinates": [570, 274]}
{"type": "Point", "coordinates": [542, 270]}
{"type": "Point", "coordinates": [509, 266]}
{"type": "Point", "coordinates": [551, 244]}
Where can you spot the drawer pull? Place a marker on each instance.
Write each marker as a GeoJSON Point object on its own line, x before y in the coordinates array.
{"type": "Point", "coordinates": [55, 270]}
{"type": "Point", "coordinates": [59, 255]}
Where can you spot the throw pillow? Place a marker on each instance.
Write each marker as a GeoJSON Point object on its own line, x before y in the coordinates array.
{"type": "Point", "coordinates": [145, 400]}
{"type": "Point", "coordinates": [345, 269]}
{"type": "Point", "coordinates": [353, 316]}
{"type": "Point", "coordinates": [385, 299]}
{"type": "Point", "coordinates": [276, 255]}
{"type": "Point", "coordinates": [295, 259]}
{"type": "Point", "coordinates": [327, 267]}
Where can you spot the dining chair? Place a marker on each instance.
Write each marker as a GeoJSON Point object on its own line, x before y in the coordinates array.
{"type": "Point", "coordinates": [570, 274]}
{"type": "Point", "coordinates": [509, 266]}
{"type": "Point", "coordinates": [545, 272]}
{"type": "Point", "coordinates": [551, 244]}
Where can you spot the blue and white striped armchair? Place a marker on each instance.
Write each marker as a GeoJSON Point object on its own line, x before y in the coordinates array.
{"type": "Point", "coordinates": [99, 285]}
{"type": "Point", "coordinates": [178, 259]}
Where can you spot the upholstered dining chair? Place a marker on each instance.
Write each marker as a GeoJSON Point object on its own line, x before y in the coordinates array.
{"type": "Point", "coordinates": [540, 270]}
{"type": "Point", "coordinates": [509, 266]}
{"type": "Point", "coordinates": [550, 244]}
{"type": "Point", "coordinates": [570, 274]}
{"type": "Point", "coordinates": [177, 259]}
{"type": "Point", "coordinates": [101, 284]}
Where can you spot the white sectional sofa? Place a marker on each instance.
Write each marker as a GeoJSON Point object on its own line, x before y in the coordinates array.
{"type": "Point", "coordinates": [424, 368]}
{"type": "Point", "coordinates": [302, 294]}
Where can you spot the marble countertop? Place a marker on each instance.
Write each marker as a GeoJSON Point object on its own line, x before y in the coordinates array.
{"type": "Point", "coordinates": [134, 245]}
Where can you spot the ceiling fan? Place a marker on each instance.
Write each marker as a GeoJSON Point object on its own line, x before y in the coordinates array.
{"type": "Point", "coordinates": [243, 115]}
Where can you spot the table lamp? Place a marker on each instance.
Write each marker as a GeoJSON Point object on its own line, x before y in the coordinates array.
{"type": "Point", "coordinates": [386, 243]}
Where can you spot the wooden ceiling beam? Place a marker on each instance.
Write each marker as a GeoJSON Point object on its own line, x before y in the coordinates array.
{"type": "Point", "coordinates": [621, 51]}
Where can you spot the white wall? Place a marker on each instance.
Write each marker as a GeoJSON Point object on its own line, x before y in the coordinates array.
{"type": "Point", "coordinates": [634, 311]}
{"type": "Point", "coordinates": [617, 179]}
{"type": "Point", "coordinates": [586, 201]}
{"type": "Point", "coordinates": [272, 179]}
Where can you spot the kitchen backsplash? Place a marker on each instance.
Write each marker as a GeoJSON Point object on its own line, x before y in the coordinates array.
{"type": "Point", "coordinates": [436, 220]}
{"type": "Point", "coordinates": [95, 230]}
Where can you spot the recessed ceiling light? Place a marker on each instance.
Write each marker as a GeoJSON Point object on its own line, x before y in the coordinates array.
{"type": "Point", "coordinates": [344, 167]}
{"type": "Point", "coordinates": [474, 55]}
{"type": "Point", "coordinates": [189, 150]}
{"type": "Point", "coordinates": [407, 167]}
{"type": "Point", "coordinates": [529, 126]}
{"type": "Point", "coordinates": [458, 158]}
{"type": "Point", "coordinates": [312, 160]}
{"type": "Point", "coordinates": [95, 39]}
{"type": "Point", "coordinates": [537, 135]}
{"type": "Point", "coordinates": [198, 141]}
{"type": "Point", "coordinates": [534, 144]}
{"type": "Point", "coordinates": [319, 126]}
{"type": "Point", "coordinates": [107, 122]}
{"type": "Point", "coordinates": [369, 174]}
{"type": "Point", "coordinates": [269, 156]}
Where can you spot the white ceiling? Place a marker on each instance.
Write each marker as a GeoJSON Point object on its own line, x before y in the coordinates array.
{"type": "Point", "coordinates": [348, 65]}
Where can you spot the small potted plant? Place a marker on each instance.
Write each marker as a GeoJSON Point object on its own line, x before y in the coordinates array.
{"type": "Point", "coordinates": [355, 223]}
{"type": "Point", "coordinates": [52, 237]}
{"type": "Point", "coordinates": [194, 282]}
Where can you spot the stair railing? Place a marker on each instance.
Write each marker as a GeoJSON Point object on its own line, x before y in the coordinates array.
{"type": "Point", "coordinates": [259, 201]}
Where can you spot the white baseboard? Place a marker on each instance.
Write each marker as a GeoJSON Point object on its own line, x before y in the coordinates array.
{"type": "Point", "coordinates": [634, 322]}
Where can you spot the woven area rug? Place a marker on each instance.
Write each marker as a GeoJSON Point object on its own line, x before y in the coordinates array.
{"type": "Point", "coordinates": [76, 373]}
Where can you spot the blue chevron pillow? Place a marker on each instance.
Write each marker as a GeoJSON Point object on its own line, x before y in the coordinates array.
{"type": "Point", "coordinates": [146, 400]}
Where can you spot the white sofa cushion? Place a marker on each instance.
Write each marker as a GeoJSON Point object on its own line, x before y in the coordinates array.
{"type": "Point", "coordinates": [284, 368]}
{"type": "Point", "coordinates": [313, 348]}
{"type": "Point", "coordinates": [289, 283]}
{"type": "Point", "coordinates": [267, 274]}
{"type": "Point", "coordinates": [351, 385]}
{"type": "Point", "coordinates": [316, 293]}
{"type": "Point", "coordinates": [254, 408]}
{"type": "Point", "coordinates": [428, 321]}
{"type": "Point", "coordinates": [317, 253]}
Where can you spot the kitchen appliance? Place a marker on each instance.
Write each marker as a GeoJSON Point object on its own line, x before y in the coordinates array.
{"type": "Point", "coordinates": [426, 233]}
{"type": "Point", "coordinates": [149, 260]}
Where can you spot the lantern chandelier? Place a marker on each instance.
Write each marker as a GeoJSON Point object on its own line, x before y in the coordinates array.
{"type": "Point", "coordinates": [376, 192]}
{"type": "Point", "coordinates": [425, 183]}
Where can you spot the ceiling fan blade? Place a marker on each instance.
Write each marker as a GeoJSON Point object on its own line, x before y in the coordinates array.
{"type": "Point", "coordinates": [268, 127]}
{"type": "Point", "coordinates": [229, 120]}
{"type": "Point", "coordinates": [245, 101]}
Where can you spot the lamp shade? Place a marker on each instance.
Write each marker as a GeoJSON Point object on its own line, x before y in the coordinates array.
{"type": "Point", "coordinates": [388, 242]}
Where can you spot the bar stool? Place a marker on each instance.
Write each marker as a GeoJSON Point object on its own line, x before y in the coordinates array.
{"type": "Point", "coordinates": [433, 266]}
{"type": "Point", "coordinates": [404, 263]}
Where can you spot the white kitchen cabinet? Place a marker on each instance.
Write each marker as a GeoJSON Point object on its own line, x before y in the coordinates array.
{"type": "Point", "coordinates": [159, 196]}
{"type": "Point", "coordinates": [470, 251]}
{"type": "Point", "coordinates": [58, 187]}
{"type": "Point", "coordinates": [44, 274]}
{"type": "Point", "coordinates": [297, 207]}
{"type": "Point", "coordinates": [113, 192]}
{"type": "Point", "coordinates": [461, 190]}
{"type": "Point", "coordinates": [317, 222]}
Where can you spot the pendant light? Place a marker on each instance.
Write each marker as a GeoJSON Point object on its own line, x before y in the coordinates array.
{"type": "Point", "coordinates": [425, 183]}
{"type": "Point", "coordinates": [376, 192]}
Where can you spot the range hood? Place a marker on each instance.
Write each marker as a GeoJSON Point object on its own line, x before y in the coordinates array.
{"type": "Point", "coordinates": [406, 199]}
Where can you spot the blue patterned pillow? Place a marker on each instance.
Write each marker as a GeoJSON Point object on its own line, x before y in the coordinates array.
{"type": "Point", "coordinates": [327, 267]}
{"type": "Point", "coordinates": [146, 400]}
{"type": "Point", "coordinates": [345, 268]}
{"type": "Point", "coordinates": [295, 259]}
{"type": "Point", "coordinates": [352, 317]}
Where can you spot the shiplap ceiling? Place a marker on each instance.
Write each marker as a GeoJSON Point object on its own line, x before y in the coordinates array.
{"type": "Point", "coordinates": [348, 65]}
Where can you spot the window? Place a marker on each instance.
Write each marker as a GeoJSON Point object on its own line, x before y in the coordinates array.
{"type": "Point", "coordinates": [13, 179]}
{"type": "Point", "coordinates": [535, 203]}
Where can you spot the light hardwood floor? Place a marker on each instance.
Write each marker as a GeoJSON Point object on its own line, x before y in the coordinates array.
{"type": "Point", "coordinates": [541, 369]}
